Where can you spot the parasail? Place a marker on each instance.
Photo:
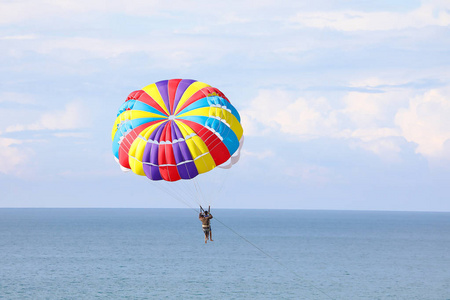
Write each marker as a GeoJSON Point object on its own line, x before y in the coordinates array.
{"type": "Point", "coordinates": [174, 130]}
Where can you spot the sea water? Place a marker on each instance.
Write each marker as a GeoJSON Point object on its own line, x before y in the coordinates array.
{"type": "Point", "coordinates": [256, 254]}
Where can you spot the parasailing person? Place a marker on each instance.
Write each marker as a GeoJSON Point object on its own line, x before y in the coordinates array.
{"type": "Point", "coordinates": [205, 217]}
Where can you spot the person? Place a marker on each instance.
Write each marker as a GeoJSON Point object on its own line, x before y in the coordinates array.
{"type": "Point", "coordinates": [205, 217]}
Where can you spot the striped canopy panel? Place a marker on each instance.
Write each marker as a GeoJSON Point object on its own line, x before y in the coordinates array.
{"type": "Point", "coordinates": [176, 129]}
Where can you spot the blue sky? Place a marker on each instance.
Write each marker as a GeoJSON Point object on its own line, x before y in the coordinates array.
{"type": "Point", "coordinates": [344, 104]}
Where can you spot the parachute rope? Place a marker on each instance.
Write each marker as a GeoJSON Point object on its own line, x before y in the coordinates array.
{"type": "Point", "coordinates": [200, 134]}
{"type": "Point", "coordinates": [274, 259]}
{"type": "Point", "coordinates": [219, 191]}
{"type": "Point", "coordinates": [172, 193]}
{"type": "Point", "coordinates": [203, 199]}
{"type": "Point", "coordinates": [300, 278]}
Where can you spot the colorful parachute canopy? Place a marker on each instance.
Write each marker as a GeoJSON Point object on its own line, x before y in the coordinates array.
{"type": "Point", "coordinates": [176, 129]}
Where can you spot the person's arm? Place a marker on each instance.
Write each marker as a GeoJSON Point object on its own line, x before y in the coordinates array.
{"type": "Point", "coordinates": [210, 216]}
{"type": "Point", "coordinates": [200, 216]}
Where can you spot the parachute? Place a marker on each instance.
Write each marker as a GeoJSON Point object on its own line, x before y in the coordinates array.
{"type": "Point", "coordinates": [174, 130]}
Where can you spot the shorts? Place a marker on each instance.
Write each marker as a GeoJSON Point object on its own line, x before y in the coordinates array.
{"type": "Point", "coordinates": [206, 229]}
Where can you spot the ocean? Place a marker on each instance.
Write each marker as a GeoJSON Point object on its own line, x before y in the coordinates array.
{"type": "Point", "coordinates": [256, 254]}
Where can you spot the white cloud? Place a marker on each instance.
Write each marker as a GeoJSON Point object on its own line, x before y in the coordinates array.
{"type": "Point", "coordinates": [18, 11]}
{"type": "Point", "coordinates": [371, 134]}
{"type": "Point", "coordinates": [86, 174]}
{"type": "Point", "coordinates": [374, 110]}
{"type": "Point", "coordinates": [72, 134]}
{"type": "Point", "coordinates": [379, 123]}
{"type": "Point", "coordinates": [426, 122]}
{"type": "Point", "coordinates": [388, 148]}
{"type": "Point", "coordinates": [164, 50]}
{"type": "Point", "coordinates": [12, 156]}
{"type": "Point", "coordinates": [280, 111]}
{"type": "Point", "coordinates": [95, 47]}
{"type": "Point", "coordinates": [13, 97]}
{"type": "Point", "coordinates": [259, 155]}
{"type": "Point", "coordinates": [429, 14]}
{"type": "Point", "coordinates": [176, 44]}
{"type": "Point", "coordinates": [19, 37]}
{"type": "Point", "coordinates": [74, 116]}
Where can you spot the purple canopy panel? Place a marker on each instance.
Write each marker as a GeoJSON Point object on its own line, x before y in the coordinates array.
{"type": "Point", "coordinates": [182, 87]}
{"type": "Point", "coordinates": [151, 154]}
{"type": "Point", "coordinates": [164, 92]}
{"type": "Point", "coordinates": [186, 170]}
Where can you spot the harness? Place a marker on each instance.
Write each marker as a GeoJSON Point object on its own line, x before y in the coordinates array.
{"type": "Point", "coordinates": [206, 228]}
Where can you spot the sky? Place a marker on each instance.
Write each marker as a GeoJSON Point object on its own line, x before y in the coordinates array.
{"type": "Point", "coordinates": [344, 104]}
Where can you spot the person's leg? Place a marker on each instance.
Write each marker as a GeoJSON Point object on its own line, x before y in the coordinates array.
{"type": "Point", "coordinates": [206, 237]}
{"type": "Point", "coordinates": [210, 235]}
